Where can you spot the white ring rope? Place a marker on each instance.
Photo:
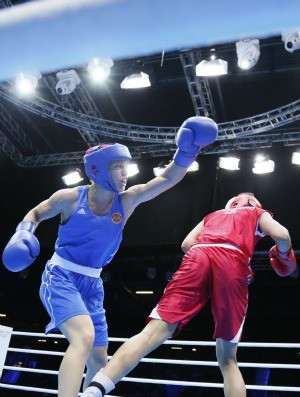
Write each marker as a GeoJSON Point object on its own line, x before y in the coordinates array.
{"type": "Point", "coordinates": [158, 361]}
{"type": "Point", "coordinates": [174, 342]}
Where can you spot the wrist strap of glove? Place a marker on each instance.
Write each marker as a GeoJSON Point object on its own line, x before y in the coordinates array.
{"type": "Point", "coordinates": [285, 254]}
{"type": "Point", "coordinates": [26, 225]}
{"type": "Point", "coordinates": [185, 159]}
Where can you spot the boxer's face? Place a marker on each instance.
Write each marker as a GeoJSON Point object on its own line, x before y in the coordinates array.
{"type": "Point", "coordinates": [119, 174]}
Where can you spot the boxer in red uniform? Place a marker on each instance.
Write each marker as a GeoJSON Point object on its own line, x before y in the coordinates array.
{"type": "Point", "coordinates": [216, 266]}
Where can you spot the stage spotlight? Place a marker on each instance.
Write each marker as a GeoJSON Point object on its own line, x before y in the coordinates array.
{"type": "Point", "coordinates": [263, 166]}
{"type": "Point", "coordinates": [99, 69]}
{"type": "Point", "coordinates": [68, 80]}
{"type": "Point", "coordinates": [229, 163]}
{"type": "Point", "coordinates": [212, 66]}
{"type": "Point", "coordinates": [136, 80]}
{"type": "Point", "coordinates": [194, 167]}
{"type": "Point", "coordinates": [72, 178]}
{"type": "Point", "coordinates": [296, 158]}
{"type": "Point", "coordinates": [248, 53]}
{"type": "Point", "coordinates": [161, 166]}
{"type": "Point", "coordinates": [26, 83]}
{"type": "Point", "coordinates": [291, 39]}
{"type": "Point", "coordinates": [132, 170]}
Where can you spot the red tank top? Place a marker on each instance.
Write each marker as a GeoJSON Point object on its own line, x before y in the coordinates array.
{"type": "Point", "coordinates": [237, 226]}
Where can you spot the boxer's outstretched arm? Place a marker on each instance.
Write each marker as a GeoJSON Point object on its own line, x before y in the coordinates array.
{"type": "Point", "coordinates": [195, 132]}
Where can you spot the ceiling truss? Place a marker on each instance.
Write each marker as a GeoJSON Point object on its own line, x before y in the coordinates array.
{"type": "Point", "coordinates": [79, 111]}
{"type": "Point", "coordinates": [258, 131]}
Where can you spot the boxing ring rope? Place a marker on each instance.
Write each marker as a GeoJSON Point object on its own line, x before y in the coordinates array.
{"type": "Point", "coordinates": [158, 361]}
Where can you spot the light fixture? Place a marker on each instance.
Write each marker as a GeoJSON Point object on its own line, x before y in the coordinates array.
{"type": "Point", "coordinates": [229, 163]}
{"type": "Point", "coordinates": [142, 292]}
{"type": "Point", "coordinates": [72, 178]}
{"type": "Point", "coordinates": [194, 167]}
{"type": "Point", "coordinates": [212, 67]}
{"type": "Point", "coordinates": [263, 166]}
{"type": "Point", "coordinates": [99, 68]}
{"type": "Point", "coordinates": [26, 83]}
{"type": "Point", "coordinates": [161, 166]}
{"type": "Point", "coordinates": [132, 169]}
{"type": "Point", "coordinates": [136, 80]}
{"type": "Point", "coordinates": [296, 158]}
{"type": "Point", "coordinates": [68, 80]}
{"type": "Point", "coordinates": [291, 39]}
{"type": "Point", "coordinates": [158, 170]}
{"type": "Point", "coordinates": [248, 53]}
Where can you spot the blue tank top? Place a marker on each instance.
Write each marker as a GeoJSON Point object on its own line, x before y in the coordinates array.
{"type": "Point", "coordinates": [87, 239]}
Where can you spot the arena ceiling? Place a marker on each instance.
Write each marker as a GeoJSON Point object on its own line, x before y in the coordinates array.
{"type": "Point", "coordinates": [254, 108]}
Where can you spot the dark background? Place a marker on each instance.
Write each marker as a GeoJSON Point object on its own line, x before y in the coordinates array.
{"type": "Point", "coordinates": [152, 238]}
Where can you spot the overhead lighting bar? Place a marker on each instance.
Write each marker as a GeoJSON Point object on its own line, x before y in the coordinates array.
{"type": "Point", "coordinates": [99, 69]}
{"type": "Point", "coordinates": [136, 80]}
{"type": "Point", "coordinates": [248, 52]}
{"type": "Point", "coordinates": [132, 169]}
{"type": "Point", "coordinates": [229, 163]}
{"type": "Point", "coordinates": [193, 167]}
{"type": "Point", "coordinates": [212, 67]}
{"type": "Point", "coordinates": [291, 39]}
{"type": "Point", "coordinates": [216, 67]}
{"type": "Point", "coordinates": [26, 83]}
{"type": "Point", "coordinates": [72, 178]}
{"type": "Point", "coordinates": [296, 158]}
{"type": "Point", "coordinates": [68, 80]}
{"type": "Point", "coordinates": [160, 168]}
{"type": "Point", "coordinates": [263, 166]}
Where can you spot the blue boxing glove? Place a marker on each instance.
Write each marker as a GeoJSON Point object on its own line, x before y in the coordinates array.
{"type": "Point", "coordinates": [22, 248]}
{"type": "Point", "coordinates": [194, 133]}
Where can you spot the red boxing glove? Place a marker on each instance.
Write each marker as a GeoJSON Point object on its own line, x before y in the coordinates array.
{"type": "Point", "coordinates": [284, 263]}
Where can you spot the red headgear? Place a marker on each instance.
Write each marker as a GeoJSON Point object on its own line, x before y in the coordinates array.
{"type": "Point", "coordinates": [243, 200]}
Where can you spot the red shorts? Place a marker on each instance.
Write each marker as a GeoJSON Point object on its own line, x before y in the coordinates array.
{"type": "Point", "coordinates": [218, 273]}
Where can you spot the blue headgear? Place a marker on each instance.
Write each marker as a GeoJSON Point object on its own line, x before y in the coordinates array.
{"type": "Point", "coordinates": [97, 160]}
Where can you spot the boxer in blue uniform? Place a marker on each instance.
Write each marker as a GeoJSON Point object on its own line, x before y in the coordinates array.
{"type": "Point", "coordinates": [90, 233]}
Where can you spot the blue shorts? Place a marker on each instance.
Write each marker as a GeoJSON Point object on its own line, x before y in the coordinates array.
{"type": "Point", "coordinates": [67, 294]}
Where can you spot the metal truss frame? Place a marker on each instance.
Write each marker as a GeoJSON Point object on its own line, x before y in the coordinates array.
{"type": "Point", "coordinates": [198, 86]}
{"type": "Point", "coordinates": [264, 122]}
{"type": "Point", "coordinates": [248, 133]}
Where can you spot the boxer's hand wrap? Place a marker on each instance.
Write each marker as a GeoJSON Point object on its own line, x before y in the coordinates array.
{"type": "Point", "coordinates": [284, 263]}
{"type": "Point", "coordinates": [195, 132]}
{"type": "Point", "coordinates": [22, 248]}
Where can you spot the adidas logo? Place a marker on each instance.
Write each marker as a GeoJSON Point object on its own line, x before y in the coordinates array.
{"type": "Point", "coordinates": [81, 211]}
